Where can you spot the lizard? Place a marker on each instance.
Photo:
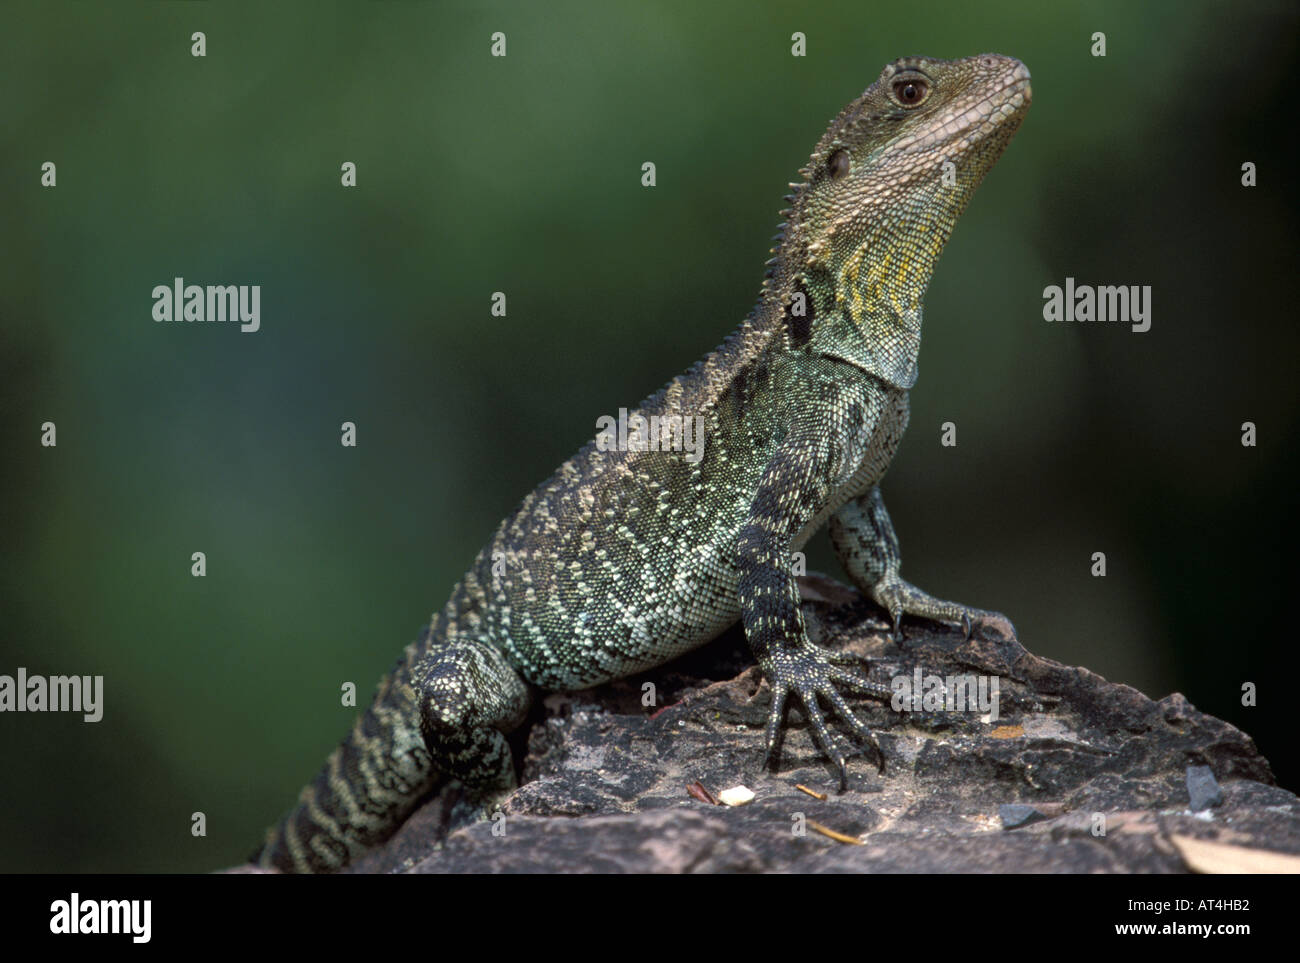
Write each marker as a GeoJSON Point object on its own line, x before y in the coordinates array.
{"type": "Point", "coordinates": [625, 559]}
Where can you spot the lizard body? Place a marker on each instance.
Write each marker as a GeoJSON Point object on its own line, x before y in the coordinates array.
{"type": "Point", "coordinates": [623, 560]}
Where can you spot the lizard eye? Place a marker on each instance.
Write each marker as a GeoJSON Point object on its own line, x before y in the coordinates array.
{"type": "Point", "coordinates": [911, 92]}
{"type": "Point", "coordinates": [838, 164]}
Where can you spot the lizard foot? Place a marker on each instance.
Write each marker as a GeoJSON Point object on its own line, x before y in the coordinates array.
{"type": "Point", "coordinates": [478, 808]}
{"type": "Point", "coordinates": [809, 672]}
{"type": "Point", "coordinates": [901, 598]}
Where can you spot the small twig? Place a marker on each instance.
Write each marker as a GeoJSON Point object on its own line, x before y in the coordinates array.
{"type": "Point", "coordinates": [839, 837]}
{"type": "Point", "coordinates": [812, 792]}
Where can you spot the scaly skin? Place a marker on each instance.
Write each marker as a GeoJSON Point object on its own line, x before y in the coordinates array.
{"type": "Point", "coordinates": [623, 560]}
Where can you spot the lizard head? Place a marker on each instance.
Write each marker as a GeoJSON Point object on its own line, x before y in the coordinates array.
{"type": "Point", "coordinates": [882, 191]}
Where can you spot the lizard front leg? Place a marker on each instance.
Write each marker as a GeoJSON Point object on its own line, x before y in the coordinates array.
{"type": "Point", "coordinates": [795, 484]}
{"type": "Point", "coordinates": [864, 541]}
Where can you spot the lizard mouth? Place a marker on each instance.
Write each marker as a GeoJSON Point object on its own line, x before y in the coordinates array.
{"type": "Point", "coordinates": [1017, 90]}
{"type": "Point", "coordinates": [1008, 102]}
{"type": "Point", "coordinates": [966, 124]}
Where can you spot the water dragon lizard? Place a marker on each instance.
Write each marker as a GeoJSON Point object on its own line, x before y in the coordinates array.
{"type": "Point", "coordinates": [623, 560]}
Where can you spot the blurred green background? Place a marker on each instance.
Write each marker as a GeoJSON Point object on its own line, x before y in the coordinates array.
{"type": "Point", "coordinates": [522, 175]}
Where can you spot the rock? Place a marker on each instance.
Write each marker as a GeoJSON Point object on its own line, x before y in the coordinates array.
{"type": "Point", "coordinates": [1016, 815]}
{"type": "Point", "coordinates": [1202, 788]}
{"type": "Point", "coordinates": [1095, 776]}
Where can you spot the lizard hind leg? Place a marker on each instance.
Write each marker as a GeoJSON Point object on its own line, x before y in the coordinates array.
{"type": "Point", "coordinates": [441, 714]}
{"type": "Point", "coordinates": [470, 698]}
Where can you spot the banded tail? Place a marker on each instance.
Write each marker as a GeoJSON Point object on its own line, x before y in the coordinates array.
{"type": "Point", "coordinates": [368, 787]}
{"type": "Point", "coordinates": [442, 714]}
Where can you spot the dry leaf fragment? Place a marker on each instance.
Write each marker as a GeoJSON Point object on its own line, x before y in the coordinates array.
{"type": "Point", "coordinates": [1203, 856]}
{"type": "Point", "coordinates": [697, 790]}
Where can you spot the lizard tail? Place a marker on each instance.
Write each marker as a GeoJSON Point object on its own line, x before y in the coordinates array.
{"type": "Point", "coordinates": [367, 788]}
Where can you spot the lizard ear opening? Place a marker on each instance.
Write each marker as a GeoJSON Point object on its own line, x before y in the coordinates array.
{"type": "Point", "coordinates": [838, 164]}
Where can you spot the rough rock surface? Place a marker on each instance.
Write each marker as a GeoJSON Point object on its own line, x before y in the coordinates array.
{"type": "Point", "coordinates": [1075, 774]}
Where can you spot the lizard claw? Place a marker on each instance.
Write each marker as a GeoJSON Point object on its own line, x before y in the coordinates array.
{"type": "Point", "coordinates": [901, 598]}
{"type": "Point", "coordinates": [809, 672]}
